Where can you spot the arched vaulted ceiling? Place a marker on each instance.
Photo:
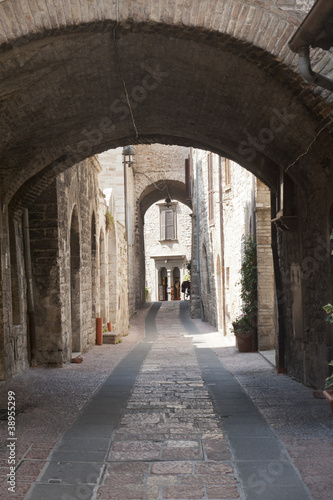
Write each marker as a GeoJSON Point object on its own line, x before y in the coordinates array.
{"type": "Point", "coordinates": [224, 82]}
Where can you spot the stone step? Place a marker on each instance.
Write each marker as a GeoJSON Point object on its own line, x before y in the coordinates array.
{"type": "Point", "coordinates": [111, 337]}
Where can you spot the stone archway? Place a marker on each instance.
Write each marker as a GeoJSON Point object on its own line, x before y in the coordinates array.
{"type": "Point", "coordinates": [198, 62]}
{"type": "Point", "coordinates": [221, 78]}
{"type": "Point", "coordinates": [75, 282]}
{"type": "Point", "coordinates": [149, 195]}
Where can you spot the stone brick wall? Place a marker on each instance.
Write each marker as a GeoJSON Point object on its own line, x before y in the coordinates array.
{"type": "Point", "coordinates": [237, 199]}
{"type": "Point", "coordinates": [111, 180]}
{"type": "Point", "coordinates": [74, 193]}
{"type": "Point", "coordinates": [78, 189]}
{"type": "Point", "coordinates": [14, 338]}
{"type": "Point", "coordinates": [245, 203]}
{"type": "Point", "coordinates": [306, 269]}
{"type": "Point", "coordinates": [267, 333]}
{"type": "Point", "coordinates": [44, 241]}
{"type": "Point", "coordinates": [203, 264]}
{"type": "Point", "coordinates": [117, 192]}
{"type": "Point", "coordinates": [239, 221]}
{"type": "Point", "coordinates": [79, 271]}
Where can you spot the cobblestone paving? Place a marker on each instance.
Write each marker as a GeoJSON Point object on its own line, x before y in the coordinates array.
{"type": "Point", "coordinates": [169, 445]}
{"type": "Point", "coordinates": [302, 422]}
{"type": "Point", "coordinates": [49, 400]}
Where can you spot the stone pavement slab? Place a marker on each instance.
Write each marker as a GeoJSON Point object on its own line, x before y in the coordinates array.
{"type": "Point", "coordinates": [87, 433]}
{"type": "Point", "coordinates": [260, 460]}
{"type": "Point", "coordinates": [303, 423]}
{"type": "Point", "coordinates": [172, 422]}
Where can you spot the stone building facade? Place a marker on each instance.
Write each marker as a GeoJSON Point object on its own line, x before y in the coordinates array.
{"type": "Point", "coordinates": [112, 182]}
{"type": "Point", "coordinates": [158, 172]}
{"type": "Point", "coordinates": [67, 267]}
{"type": "Point", "coordinates": [229, 203]}
{"type": "Point", "coordinates": [168, 242]}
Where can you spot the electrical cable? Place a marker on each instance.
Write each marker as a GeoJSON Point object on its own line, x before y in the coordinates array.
{"type": "Point", "coordinates": [122, 74]}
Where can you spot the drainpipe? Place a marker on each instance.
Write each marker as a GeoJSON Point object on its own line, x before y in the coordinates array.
{"type": "Point", "coordinates": [198, 244]}
{"type": "Point", "coordinates": [280, 361]}
{"type": "Point", "coordinates": [306, 71]}
{"type": "Point", "coordinates": [222, 248]}
{"type": "Point", "coordinates": [313, 32]}
{"type": "Point", "coordinates": [30, 296]}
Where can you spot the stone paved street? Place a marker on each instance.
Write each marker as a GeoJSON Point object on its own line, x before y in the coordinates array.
{"type": "Point", "coordinates": [169, 444]}
{"type": "Point", "coordinates": [170, 421]}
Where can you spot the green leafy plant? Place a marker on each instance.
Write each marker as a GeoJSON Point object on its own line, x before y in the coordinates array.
{"type": "Point", "coordinates": [242, 323]}
{"type": "Point", "coordinates": [328, 308]}
{"type": "Point", "coordinates": [249, 294]}
{"type": "Point", "coordinates": [109, 220]}
{"type": "Point", "coordinates": [329, 311]}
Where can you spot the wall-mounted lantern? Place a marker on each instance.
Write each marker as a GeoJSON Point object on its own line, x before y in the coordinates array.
{"type": "Point", "coordinates": [128, 153]}
{"type": "Point", "coordinates": [168, 202]}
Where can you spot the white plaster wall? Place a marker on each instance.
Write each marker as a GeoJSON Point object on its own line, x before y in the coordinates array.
{"type": "Point", "coordinates": [153, 245]}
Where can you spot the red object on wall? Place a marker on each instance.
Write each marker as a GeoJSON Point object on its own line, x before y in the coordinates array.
{"type": "Point", "coordinates": [109, 327]}
{"type": "Point", "coordinates": [99, 331]}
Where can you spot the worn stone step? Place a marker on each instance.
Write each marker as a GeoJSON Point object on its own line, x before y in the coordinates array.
{"type": "Point", "coordinates": [111, 337]}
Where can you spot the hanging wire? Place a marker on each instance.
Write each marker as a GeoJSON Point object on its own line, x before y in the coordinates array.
{"type": "Point", "coordinates": [165, 187]}
{"type": "Point", "coordinates": [307, 150]}
{"type": "Point", "coordinates": [122, 74]}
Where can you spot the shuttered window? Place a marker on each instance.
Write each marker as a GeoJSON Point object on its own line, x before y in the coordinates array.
{"type": "Point", "coordinates": [168, 224]}
{"type": "Point", "coordinates": [227, 173]}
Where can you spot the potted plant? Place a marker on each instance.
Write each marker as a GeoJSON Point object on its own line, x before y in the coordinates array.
{"type": "Point", "coordinates": [245, 325]}
{"type": "Point", "coordinates": [243, 333]}
{"type": "Point", "coordinates": [328, 391]}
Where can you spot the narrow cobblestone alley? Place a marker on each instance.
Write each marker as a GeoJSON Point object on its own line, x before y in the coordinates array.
{"type": "Point", "coordinates": [153, 429]}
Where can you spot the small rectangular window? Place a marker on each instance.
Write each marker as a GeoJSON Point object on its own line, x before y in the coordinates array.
{"type": "Point", "coordinates": [188, 178]}
{"type": "Point", "coordinates": [168, 224]}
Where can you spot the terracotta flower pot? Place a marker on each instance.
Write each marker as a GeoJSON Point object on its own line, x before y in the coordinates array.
{"type": "Point", "coordinates": [329, 396]}
{"type": "Point", "coordinates": [244, 340]}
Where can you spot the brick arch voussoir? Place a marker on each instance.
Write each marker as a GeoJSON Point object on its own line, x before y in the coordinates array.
{"type": "Point", "coordinates": [272, 65]}
{"type": "Point", "coordinates": [28, 193]}
{"type": "Point", "coordinates": [260, 23]}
